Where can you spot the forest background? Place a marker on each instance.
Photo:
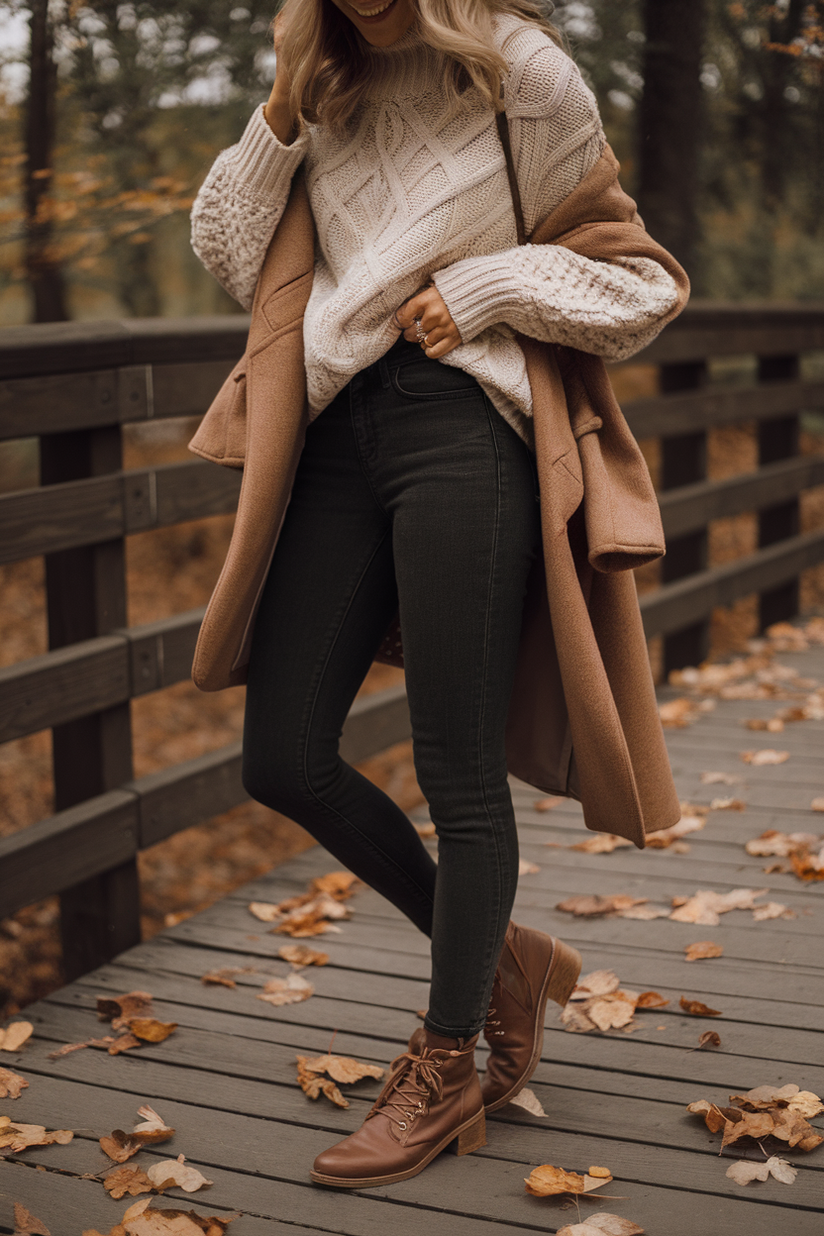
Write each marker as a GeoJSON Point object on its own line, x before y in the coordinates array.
{"type": "Point", "coordinates": [110, 116]}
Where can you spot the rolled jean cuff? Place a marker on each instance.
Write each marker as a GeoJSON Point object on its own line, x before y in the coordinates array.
{"type": "Point", "coordinates": [451, 1032]}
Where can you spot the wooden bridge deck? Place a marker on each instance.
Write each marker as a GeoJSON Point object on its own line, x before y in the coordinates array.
{"type": "Point", "coordinates": [226, 1079]}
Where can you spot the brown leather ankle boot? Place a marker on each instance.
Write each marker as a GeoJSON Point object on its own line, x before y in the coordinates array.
{"type": "Point", "coordinates": [431, 1102]}
{"type": "Point", "coordinates": [533, 968]}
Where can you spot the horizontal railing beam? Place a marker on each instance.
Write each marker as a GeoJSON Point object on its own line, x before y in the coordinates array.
{"type": "Point", "coordinates": [688, 600]}
{"type": "Point", "coordinates": [102, 508]}
{"type": "Point", "coordinates": [104, 832]}
{"type": "Point", "coordinates": [691, 507]}
{"type": "Point", "coordinates": [667, 416]}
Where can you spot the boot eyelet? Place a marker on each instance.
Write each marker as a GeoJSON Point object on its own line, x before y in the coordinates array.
{"type": "Point", "coordinates": [401, 1124]}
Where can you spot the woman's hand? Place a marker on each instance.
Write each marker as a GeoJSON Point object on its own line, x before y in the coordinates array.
{"type": "Point", "coordinates": [278, 111]}
{"type": "Point", "coordinates": [428, 308]}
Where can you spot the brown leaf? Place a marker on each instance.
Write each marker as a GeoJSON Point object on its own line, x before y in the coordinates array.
{"type": "Point", "coordinates": [706, 906]}
{"type": "Point", "coordinates": [575, 1018]}
{"type": "Point", "coordinates": [598, 983]}
{"type": "Point", "coordinates": [703, 949]}
{"type": "Point", "coordinates": [123, 1043]}
{"type": "Point", "coordinates": [710, 1038]}
{"type": "Point", "coordinates": [676, 714]}
{"type": "Point", "coordinates": [525, 867]}
{"type": "Point", "coordinates": [728, 804]}
{"type": "Point", "coordinates": [11, 1084]}
{"type": "Point", "coordinates": [650, 1000]}
{"type": "Point", "coordinates": [68, 1048]}
{"type": "Point", "coordinates": [302, 955]}
{"type": "Point", "coordinates": [602, 1224]}
{"type": "Point", "coordinates": [219, 978]}
{"type": "Point", "coordinates": [751, 1124]}
{"type": "Point", "coordinates": [177, 1174]}
{"type": "Point", "coordinates": [714, 1117]}
{"type": "Point", "coordinates": [600, 843]}
{"type": "Point", "coordinates": [760, 1098]}
{"type": "Point", "coordinates": [121, 1146]}
{"type": "Point", "coordinates": [142, 1219]}
{"type": "Point", "coordinates": [593, 906]}
{"type": "Point", "coordinates": [341, 1069]}
{"type": "Point", "coordinates": [127, 1181]}
{"type": "Point", "coordinates": [150, 1030]}
{"type": "Point", "coordinates": [768, 755]}
{"type": "Point", "coordinates": [313, 1085]}
{"type": "Point", "coordinates": [529, 1101]}
{"type": "Point", "coordinates": [663, 838]}
{"type": "Point", "coordinates": [291, 990]}
{"type": "Point", "coordinates": [696, 1009]}
{"type": "Point", "coordinates": [119, 1009]}
{"type": "Point", "coordinates": [817, 804]}
{"type": "Point", "coordinates": [645, 913]}
{"type": "Point", "coordinates": [266, 911]}
{"type": "Point", "coordinates": [25, 1224]}
{"type": "Point", "coordinates": [610, 1012]}
{"type": "Point", "coordinates": [339, 885]}
{"type": "Point", "coordinates": [15, 1035]}
{"type": "Point", "coordinates": [17, 1136]}
{"type": "Point", "coordinates": [545, 1181]}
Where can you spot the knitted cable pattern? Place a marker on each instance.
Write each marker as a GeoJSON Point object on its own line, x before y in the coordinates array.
{"type": "Point", "coordinates": [416, 190]}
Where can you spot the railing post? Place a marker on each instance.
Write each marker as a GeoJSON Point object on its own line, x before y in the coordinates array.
{"type": "Point", "coordinates": [683, 461]}
{"type": "Point", "coordinates": [778, 439]}
{"type": "Point", "coordinates": [86, 596]}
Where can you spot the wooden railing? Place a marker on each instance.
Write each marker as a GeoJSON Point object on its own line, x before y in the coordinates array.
{"type": "Point", "coordinates": [74, 386]}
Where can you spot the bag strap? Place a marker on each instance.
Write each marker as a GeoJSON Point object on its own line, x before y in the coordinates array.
{"type": "Point", "coordinates": [503, 133]}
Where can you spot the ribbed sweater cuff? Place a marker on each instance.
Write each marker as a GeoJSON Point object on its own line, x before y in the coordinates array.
{"type": "Point", "coordinates": [478, 291]}
{"type": "Point", "coordinates": [265, 166]}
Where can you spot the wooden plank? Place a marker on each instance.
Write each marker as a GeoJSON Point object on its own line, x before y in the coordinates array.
{"type": "Point", "coordinates": [161, 652]}
{"type": "Point", "coordinates": [675, 605]}
{"type": "Point", "coordinates": [177, 797]}
{"type": "Point", "coordinates": [375, 722]}
{"type": "Point", "coordinates": [668, 415]}
{"type": "Point", "coordinates": [64, 684]}
{"type": "Point", "coordinates": [693, 506]}
{"type": "Point", "coordinates": [187, 388]}
{"type": "Point", "coordinates": [713, 329]}
{"type": "Point", "coordinates": [76, 844]}
{"type": "Point", "coordinates": [95, 509]}
{"type": "Point", "coordinates": [55, 402]}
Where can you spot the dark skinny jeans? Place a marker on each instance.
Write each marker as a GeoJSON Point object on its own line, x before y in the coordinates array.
{"type": "Point", "coordinates": [411, 491]}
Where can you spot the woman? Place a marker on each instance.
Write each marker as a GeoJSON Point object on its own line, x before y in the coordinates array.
{"type": "Point", "coordinates": [415, 492]}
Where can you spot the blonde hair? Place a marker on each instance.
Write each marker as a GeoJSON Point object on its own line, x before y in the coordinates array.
{"type": "Point", "coordinates": [330, 64]}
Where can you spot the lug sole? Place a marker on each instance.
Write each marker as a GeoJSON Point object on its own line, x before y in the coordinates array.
{"type": "Point", "coordinates": [562, 974]}
{"type": "Point", "coordinates": [468, 1137]}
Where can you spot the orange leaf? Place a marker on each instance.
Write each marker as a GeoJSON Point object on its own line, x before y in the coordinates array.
{"type": "Point", "coordinates": [696, 1009]}
{"type": "Point", "coordinates": [703, 949]}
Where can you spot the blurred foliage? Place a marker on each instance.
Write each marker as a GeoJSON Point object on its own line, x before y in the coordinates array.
{"type": "Point", "coordinates": [149, 92]}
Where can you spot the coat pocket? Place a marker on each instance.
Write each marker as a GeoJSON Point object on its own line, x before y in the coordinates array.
{"type": "Point", "coordinates": [221, 436]}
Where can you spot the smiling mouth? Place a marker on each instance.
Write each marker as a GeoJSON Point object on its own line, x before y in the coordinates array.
{"type": "Point", "coordinates": [376, 11]}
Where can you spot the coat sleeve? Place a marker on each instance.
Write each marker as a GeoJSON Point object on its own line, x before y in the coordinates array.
{"type": "Point", "coordinates": [610, 308]}
{"type": "Point", "coordinates": [240, 204]}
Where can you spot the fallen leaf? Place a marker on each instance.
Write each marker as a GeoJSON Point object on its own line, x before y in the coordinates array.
{"type": "Point", "coordinates": [601, 1173]}
{"type": "Point", "coordinates": [598, 983]}
{"type": "Point", "coordinates": [337, 884]}
{"type": "Point", "coordinates": [775, 725]}
{"type": "Point", "coordinates": [291, 990]}
{"type": "Point", "coordinates": [610, 1012]}
{"type": "Point", "coordinates": [127, 1182]}
{"type": "Point", "coordinates": [781, 844]}
{"type": "Point", "coordinates": [151, 1031]}
{"type": "Point", "coordinates": [546, 804]}
{"type": "Point", "coordinates": [25, 1224]}
{"type": "Point", "coordinates": [696, 1009]}
{"type": "Point", "coordinates": [575, 1019]}
{"type": "Point", "coordinates": [676, 714]}
{"type": "Point", "coordinates": [714, 1117]}
{"type": "Point", "coordinates": [710, 1038]}
{"type": "Point", "coordinates": [119, 1009]}
{"type": "Point", "coordinates": [728, 804]}
{"type": "Point", "coordinates": [15, 1035]}
{"type": "Point", "coordinates": [650, 1000]}
{"type": "Point", "coordinates": [750, 1124]}
{"type": "Point", "coordinates": [529, 1101]}
{"type": "Point", "coordinates": [703, 949]}
{"type": "Point", "coordinates": [806, 1104]}
{"type": "Point", "coordinates": [645, 912]}
{"type": "Point", "coordinates": [771, 909]}
{"type": "Point", "coordinates": [176, 1173]}
{"type": "Point", "coordinates": [602, 1224]}
{"type": "Point", "coordinates": [342, 1069]}
{"type": "Point", "coordinates": [219, 978]}
{"type": "Point", "coordinates": [808, 866]}
{"type": "Point", "coordinates": [121, 1146]}
{"type": "Point", "coordinates": [266, 911]}
{"type": "Point", "coordinates": [313, 1085]}
{"type": "Point", "coordinates": [142, 1219]}
{"type": "Point", "coordinates": [546, 1181]}
{"type": "Point", "coordinates": [302, 955]}
{"type": "Point", "coordinates": [525, 867]}
{"type": "Point", "coordinates": [123, 1043]}
{"type": "Point", "coordinates": [600, 843]}
{"type": "Point", "coordinates": [663, 838]}
{"type": "Point", "coordinates": [11, 1084]}
{"type": "Point", "coordinates": [594, 906]}
{"type": "Point", "coordinates": [744, 1172]}
{"type": "Point", "coordinates": [767, 755]}
{"type": "Point", "coordinates": [720, 778]}
{"type": "Point", "coordinates": [68, 1048]}
{"type": "Point", "coordinates": [705, 906]}
{"type": "Point", "coordinates": [16, 1137]}
{"type": "Point", "coordinates": [425, 829]}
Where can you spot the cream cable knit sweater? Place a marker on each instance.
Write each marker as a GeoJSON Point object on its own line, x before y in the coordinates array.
{"type": "Point", "coordinates": [413, 192]}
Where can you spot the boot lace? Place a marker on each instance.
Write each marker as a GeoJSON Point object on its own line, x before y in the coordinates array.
{"type": "Point", "coordinates": [407, 1094]}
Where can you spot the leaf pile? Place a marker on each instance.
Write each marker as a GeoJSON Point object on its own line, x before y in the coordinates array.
{"type": "Point", "coordinates": [142, 1219]}
{"type": "Point", "coordinates": [341, 1069]}
{"type": "Point", "coordinates": [599, 1003]}
{"type": "Point", "coordinates": [309, 913]}
{"type": "Point", "coordinates": [766, 1111]}
{"type": "Point", "coordinates": [162, 1175]}
{"type": "Point", "coordinates": [547, 1181]}
{"type": "Point", "coordinates": [804, 850]}
{"type": "Point", "coordinates": [703, 908]}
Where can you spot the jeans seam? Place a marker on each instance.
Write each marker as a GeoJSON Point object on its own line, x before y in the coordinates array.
{"type": "Point", "coordinates": [386, 859]}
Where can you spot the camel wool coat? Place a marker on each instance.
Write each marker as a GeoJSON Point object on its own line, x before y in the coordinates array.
{"type": "Point", "coordinates": [583, 719]}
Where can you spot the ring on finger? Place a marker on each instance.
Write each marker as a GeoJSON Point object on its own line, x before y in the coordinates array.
{"type": "Point", "coordinates": [419, 330]}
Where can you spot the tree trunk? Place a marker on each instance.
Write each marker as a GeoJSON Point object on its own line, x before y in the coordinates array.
{"type": "Point", "coordinates": [671, 124]}
{"type": "Point", "coordinates": [42, 267]}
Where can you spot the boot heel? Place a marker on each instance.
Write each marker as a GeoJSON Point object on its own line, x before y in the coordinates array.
{"type": "Point", "coordinates": [471, 1138]}
{"type": "Point", "coordinates": [566, 969]}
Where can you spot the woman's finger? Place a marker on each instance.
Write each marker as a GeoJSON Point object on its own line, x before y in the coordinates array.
{"type": "Point", "coordinates": [447, 344]}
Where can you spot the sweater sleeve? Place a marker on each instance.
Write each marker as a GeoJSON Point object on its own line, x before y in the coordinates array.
{"type": "Point", "coordinates": [612, 309]}
{"type": "Point", "coordinates": [240, 204]}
